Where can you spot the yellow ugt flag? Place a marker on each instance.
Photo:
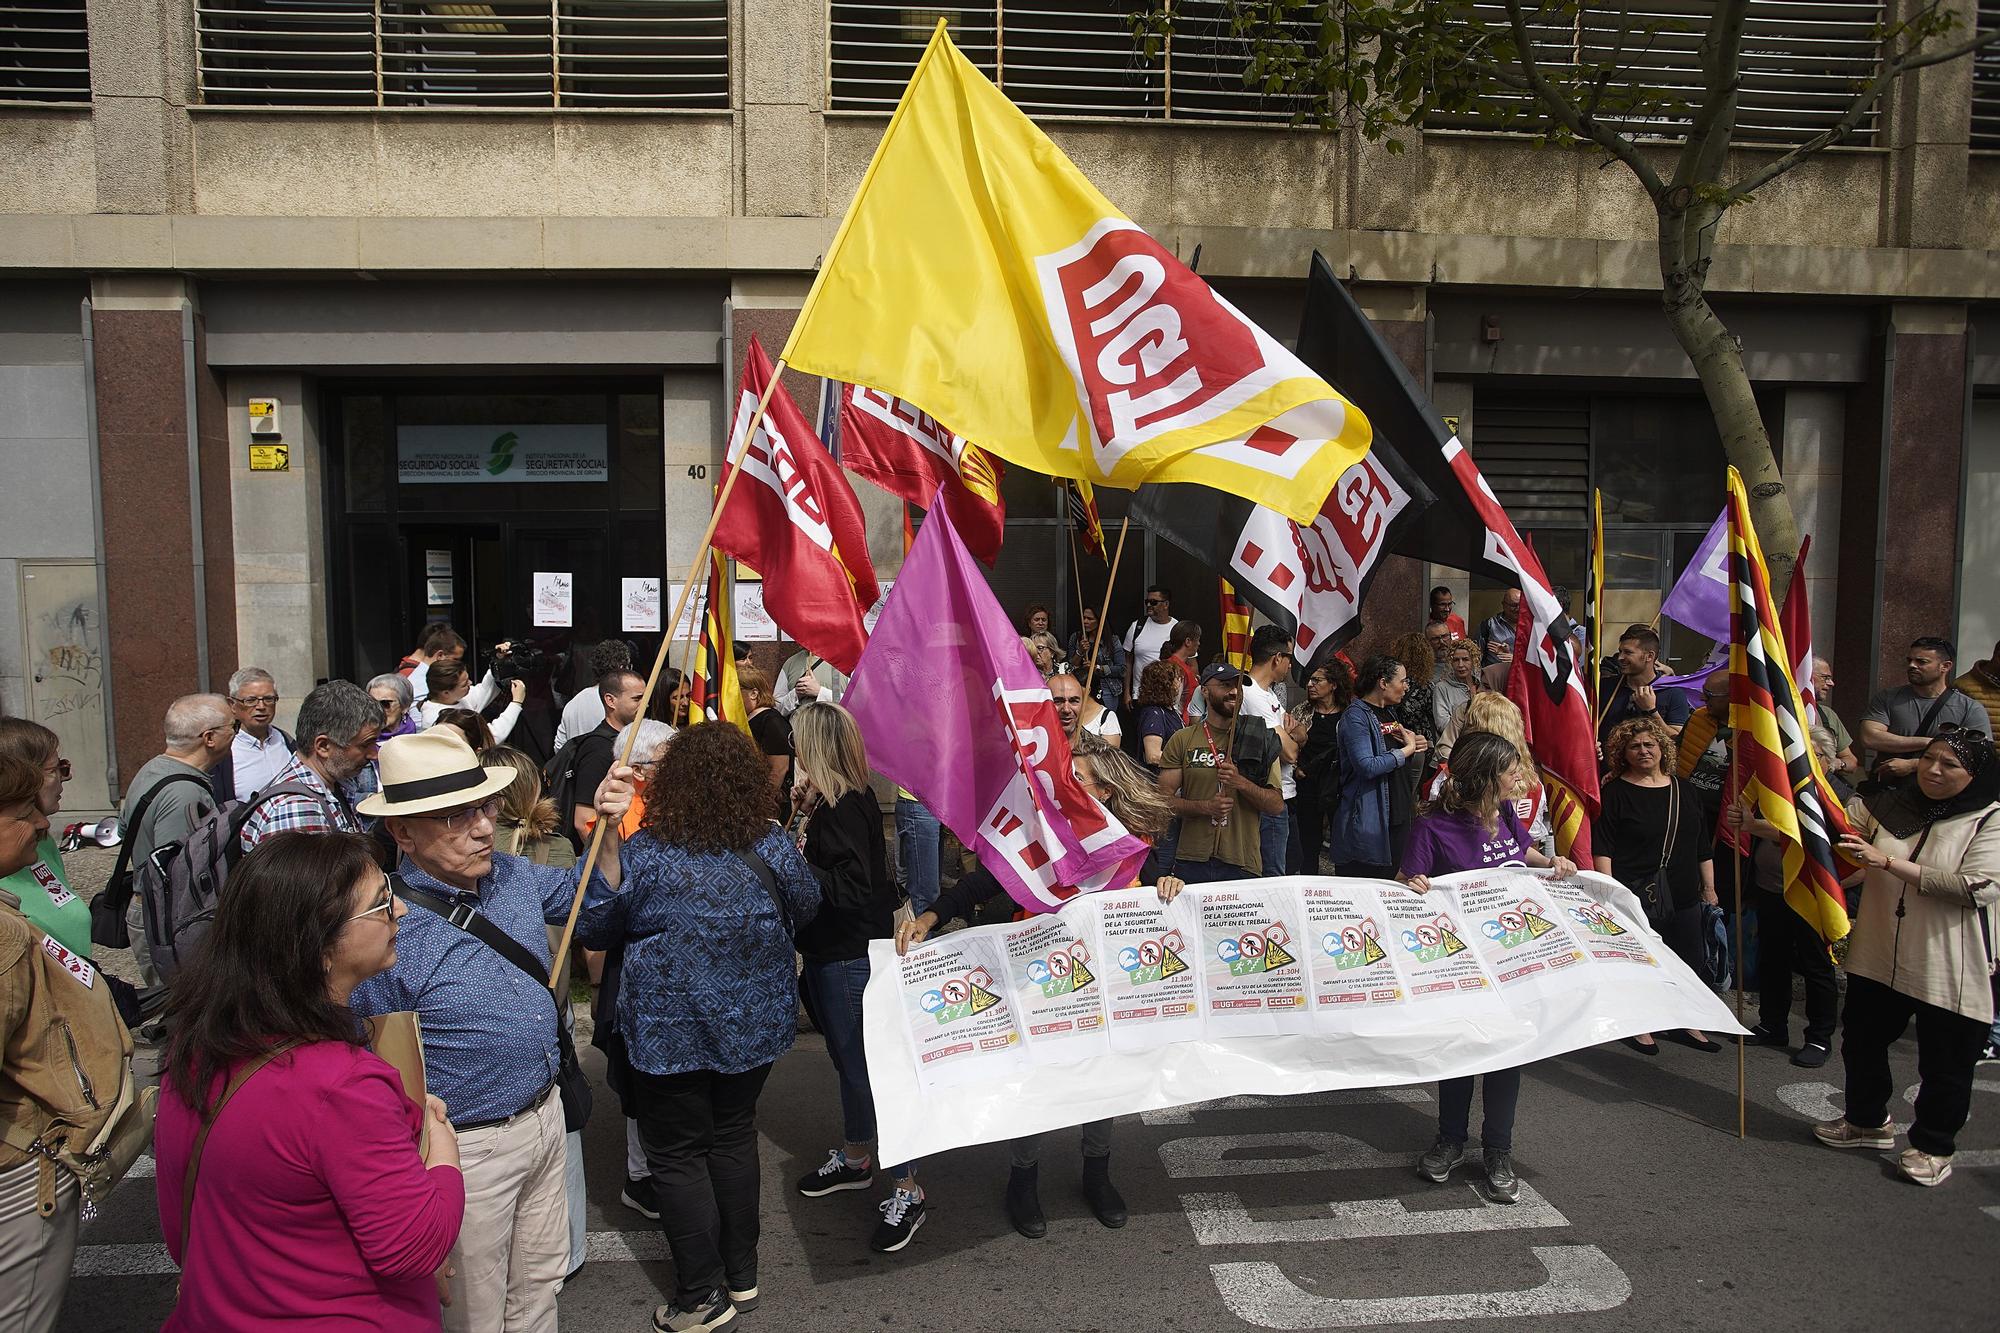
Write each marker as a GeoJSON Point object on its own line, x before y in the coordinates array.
{"type": "Point", "coordinates": [980, 276]}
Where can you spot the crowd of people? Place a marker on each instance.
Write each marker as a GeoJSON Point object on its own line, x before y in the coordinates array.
{"type": "Point", "coordinates": [403, 850]}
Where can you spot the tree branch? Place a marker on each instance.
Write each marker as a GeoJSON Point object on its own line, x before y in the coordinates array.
{"type": "Point", "coordinates": [1856, 110]}
{"type": "Point", "coordinates": [1714, 122]}
{"type": "Point", "coordinates": [1561, 109]}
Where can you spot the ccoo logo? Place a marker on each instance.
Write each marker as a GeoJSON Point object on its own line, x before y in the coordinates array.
{"type": "Point", "coordinates": [1152, 347]}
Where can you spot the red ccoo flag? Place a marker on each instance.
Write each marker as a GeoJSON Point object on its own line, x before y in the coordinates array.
{"type": "Point", "coordinates": [795, 520]}
{"type": "Point", "coordinates": [911, 456]}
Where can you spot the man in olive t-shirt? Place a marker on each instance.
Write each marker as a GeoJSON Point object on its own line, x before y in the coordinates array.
{"type": "Point", "coordinates": [1224, 767]}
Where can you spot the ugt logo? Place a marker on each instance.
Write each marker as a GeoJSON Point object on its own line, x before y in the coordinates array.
{"type": "Point", "coordinates": [961, 997]}
{"type": "Point", "coordinates": [1152, 347]}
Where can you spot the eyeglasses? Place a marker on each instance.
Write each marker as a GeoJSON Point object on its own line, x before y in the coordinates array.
{"type": "Point", "coordinates": [254, 700]}
{"type": "Point", "coordinates": [1156, 601]}
{"type": "Point", "coordinates": [460, 820]}
{"type": "Point", "coordinates": [390, 885]}
{"type": "Point", "coordinates": [62, 769]}
{"type": "Point", "coordinates": [388, 705]}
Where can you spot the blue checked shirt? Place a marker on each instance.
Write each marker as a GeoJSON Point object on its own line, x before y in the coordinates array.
{"type": "Point", "coordinates": [489, 1028]}
{"type": "Point", "coordinates": [301, 814]}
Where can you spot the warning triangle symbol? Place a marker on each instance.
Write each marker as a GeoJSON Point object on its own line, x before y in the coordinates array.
{"type": "Point", "coordinates": [1079, 975]}
{"type": "Point", "coordinates": [1170, 962]}
{"type": "Point", "coordinates": [1275, 956]}
{"type": "Point", "coordinates": [1372, 953]}
{"type": "Point", "coordinates": [1538, 926]}
{"type": "Point", "coordinates": [983, 999]}
{"type": "Point", "coordinates": [1452, 944]}
{"type": "Point", "coordinates": [1606, 926]}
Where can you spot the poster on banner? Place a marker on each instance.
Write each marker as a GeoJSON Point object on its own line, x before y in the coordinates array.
{"type": "Point", "coordinates": [1428, 936]}
{"type": "Point", "coordinates": [1252, 978]}
{"type": "Point", "coordinates": [1514, 925]}
{"type": "Point", "coordinates": [956, 1002]}
{"type": "Point", "coordinates": [1058, 989]}
{"type": "Point", "coordinates": [1351, 964]}
{"type": "Point", "coordinates": [951, 1066]}
{"type": "Point", "coordinates": [554, 600]}
{"type": "Point", "coordinates": [1151, 987]}
{"type": "Point", "coordinates": [1599, 928]}
{"type": "Point", "coordinates": [639, 606]}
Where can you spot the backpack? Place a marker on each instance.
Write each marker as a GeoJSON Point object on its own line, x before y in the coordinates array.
{"type": "Point", "coordinates": [559, 782]}
{"type": "Point", "coordinates": [181, 882]}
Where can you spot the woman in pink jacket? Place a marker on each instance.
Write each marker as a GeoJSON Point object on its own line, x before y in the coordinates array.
{"type": "Point", "coordinates": [310, 1202]}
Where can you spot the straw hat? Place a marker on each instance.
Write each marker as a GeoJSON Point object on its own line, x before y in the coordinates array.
{"type": "Point", "coordinates": [429, 771]}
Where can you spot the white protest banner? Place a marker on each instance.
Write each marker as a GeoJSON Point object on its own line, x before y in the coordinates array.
{"type": "Point", "coordinates": [554, 600]}
{"type": "Point", "coordinates": [1119, 1003]}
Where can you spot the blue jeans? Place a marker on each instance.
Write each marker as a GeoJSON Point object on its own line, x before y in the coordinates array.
{"type": "Point", "coordinates": [1277, 835]}
{"type": "Point", "coordinates": [919, 838]}
{"type": "Point", "coordinates": [833, 993]}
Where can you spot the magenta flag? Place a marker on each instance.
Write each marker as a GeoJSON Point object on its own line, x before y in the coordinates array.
{"type": "Point", "coordinates": [953, 710]}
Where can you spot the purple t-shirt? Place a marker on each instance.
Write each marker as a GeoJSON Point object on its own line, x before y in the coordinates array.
{"type": "Point", "coordinates": [1443, 844]}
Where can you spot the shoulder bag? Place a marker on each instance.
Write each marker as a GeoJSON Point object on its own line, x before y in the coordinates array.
{"type": "Point", "coordinates": [1655, 895]}
{"type": "Point", "coordinates": [235, 1085]}
{"type": "Point", "coordinates": [571, 1082]}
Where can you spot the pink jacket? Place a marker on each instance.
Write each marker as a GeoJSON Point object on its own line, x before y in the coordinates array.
{"type": "Point", "coordinates": [313, 1208]}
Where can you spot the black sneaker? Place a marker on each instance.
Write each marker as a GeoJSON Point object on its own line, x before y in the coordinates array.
{"type": "Point", "coordinates": [836, 1175]}
{"type": "Point", "coordinates": [1501, 1182]}
{"type": "Point", "coordinates": [639, 1197]}
{"type": "Point", "coordinates": [1763, 1036]}
{"type": "Point", "coordinates": [714, 1313]}
{"type": "Point", "coordinates": [1435, 1165]}
{"type": "Point", "coordinates": [1811, 1055]}
{"type": "Point", "coordinates": [902, 1214]}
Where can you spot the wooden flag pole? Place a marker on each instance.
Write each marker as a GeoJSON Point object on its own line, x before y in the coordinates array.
{"type": "Point", "coordinates": [1076, 577]}
{"type": "Point", "coordinates": [688, 659]}
{"type": "Point", "coordinates": [732, 462]}
{"type": "Point", "coordinates": [1110, 582]}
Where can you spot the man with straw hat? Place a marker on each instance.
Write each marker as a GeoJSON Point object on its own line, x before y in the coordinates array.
{"type": "Point", "coordinates": [491, 1031]}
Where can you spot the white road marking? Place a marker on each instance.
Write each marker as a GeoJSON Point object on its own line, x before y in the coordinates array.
{"type": "Point", "coordinates": [1185, 1158]}
{"type": "Point", "coordinates": [1221, 1219]}
{"type": "Point", "coordinates": [599, 1247]}
{"type": "Point", "coordinates": [1581, 1278]}
{"type": "Point", "coordinates": [1184, 1115]}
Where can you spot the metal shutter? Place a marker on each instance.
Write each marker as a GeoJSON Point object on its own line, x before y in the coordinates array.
{"type": "Point", "coordinates": [44, 51]}
{"type": "Point", "coordinates": [1535, 454]}
{"type": "Point", "coordinates": [1986, 82]}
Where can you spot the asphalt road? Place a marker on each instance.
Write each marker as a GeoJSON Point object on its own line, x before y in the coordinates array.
{"type": "Point", "coordinates": [1640, 1210]}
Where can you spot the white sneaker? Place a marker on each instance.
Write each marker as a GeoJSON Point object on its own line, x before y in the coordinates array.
{"type": "Point", "coordinates": [1923, 1168]}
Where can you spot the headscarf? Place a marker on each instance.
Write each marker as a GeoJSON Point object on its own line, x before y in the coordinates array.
{"type": "Point", "coordinates": [1905, 811]}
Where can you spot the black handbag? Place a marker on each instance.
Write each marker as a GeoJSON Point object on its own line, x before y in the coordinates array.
{"type": "Point", "coordinates": [1655, 895]}
{"type": "Point", "coordinates": [572, 1084]}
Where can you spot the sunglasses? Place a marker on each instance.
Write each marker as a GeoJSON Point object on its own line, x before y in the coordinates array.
{"type": "Point", "coordinates": [390, 887]}
{"type": "Point", "coordinates": [63, 769]}
{"type": "Point", "coordinates": [1156, 601]}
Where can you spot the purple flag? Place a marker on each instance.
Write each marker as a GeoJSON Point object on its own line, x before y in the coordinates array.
{"type": "Point", "coordinates": [1701, 599]}
{"type": "Point", "coordinates": [954, 711]}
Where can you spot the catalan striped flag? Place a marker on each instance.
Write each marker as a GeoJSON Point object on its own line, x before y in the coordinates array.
{"type": "Point", "coordinates": [1781, 777]}
{"type": "Point", "coordinates": [713, 694]}
{"type": "Point", "coordinates": [1083, 517]}
{"type": "Point", "coordinates": [1593, 599]}
{"type": "Point", "coordinates": [1235, 627]}
{"type": "Point", "coordinates": [1569, 820]}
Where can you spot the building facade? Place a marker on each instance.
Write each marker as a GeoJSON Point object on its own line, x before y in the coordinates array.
{"type": "Point", "coordinates": [322, 317]}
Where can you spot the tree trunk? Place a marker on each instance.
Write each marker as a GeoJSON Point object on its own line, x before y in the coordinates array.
{"type": "Point", "coordinates": [1686, 237]}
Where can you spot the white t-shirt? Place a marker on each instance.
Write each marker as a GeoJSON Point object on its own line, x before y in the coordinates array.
{"type": "Point", "coordinates": [1144, 642]}
{"type": "Point", "coordinates": [1263, 705]}
{"type": "Point", "coordinates": [1105, 724]}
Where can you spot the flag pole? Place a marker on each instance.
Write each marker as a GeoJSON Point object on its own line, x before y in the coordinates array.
{"type": "Point", "coordinates": [732, 461]}
{"type": "Point", "coordinates": [693, 641]}
{"type": "Point", "coordinates": [1110, 582]}
{"type": "Point", "coordinates": [1736, 863]}
{"type": "Point", "coordinates": [1075, 568]}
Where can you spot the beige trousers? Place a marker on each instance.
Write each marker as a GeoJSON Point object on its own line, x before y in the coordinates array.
{"type": "Point", "coordinates": [35, 1252]}
{"type": "Point", "coordinates": [513, 1248]}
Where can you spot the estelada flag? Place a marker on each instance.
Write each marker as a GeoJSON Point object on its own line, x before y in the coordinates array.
{"type": "Point", "coordinates": [1235, 628]}
{"type": "Point", "coordinates": [908, 454]}
{"type": "Point", "coordinates": [979, 275]}
{"type": "Point", "coordinates": [713, 695]}
{"type": "Point", "coordinates": [1083, 518]}
{"type": "Point", "coordinates": [794, 519]}
{"type": "Point", "coordinates": [954, 711]}
{"type": "Point", "coordinates": [1782, 778]}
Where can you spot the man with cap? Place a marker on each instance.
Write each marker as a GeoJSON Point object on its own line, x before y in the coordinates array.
{"type": "Point", "coordinates": [490, 1029]}
{"type": "Point", "coordinates": [1221, 777]}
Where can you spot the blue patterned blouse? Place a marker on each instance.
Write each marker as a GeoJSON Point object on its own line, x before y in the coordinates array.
{"type": "Point", "coordinates": [709, 981]}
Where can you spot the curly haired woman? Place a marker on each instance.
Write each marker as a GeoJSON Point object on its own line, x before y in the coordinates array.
{"type": "Point", "coordinates": [712, 893]}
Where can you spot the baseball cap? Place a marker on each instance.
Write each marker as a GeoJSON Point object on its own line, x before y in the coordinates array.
{"type": "Point", "coordinates": [1222, 671]}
